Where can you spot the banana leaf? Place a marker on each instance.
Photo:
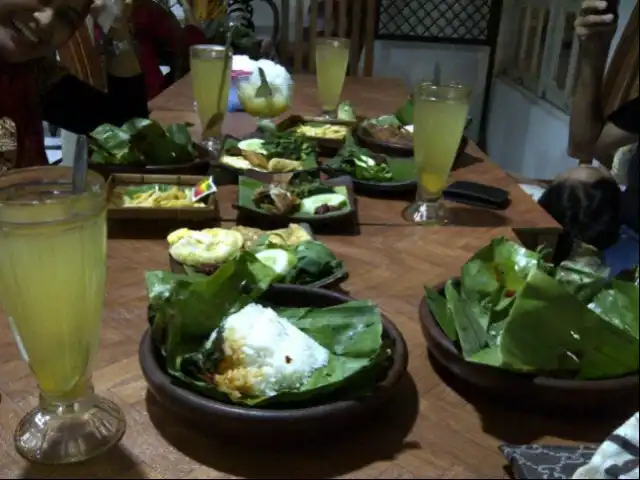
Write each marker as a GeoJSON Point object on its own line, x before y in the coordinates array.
{"type": "Point", "coordinates": [404, 114]}
{"type": "Point", "coordinates": [512, 310]}
{"type": "Point", "coordinates": [142, 141]}
{"type": "Point", "coordinates": [314, 262]}
{"type": "Point", "coordinates": [551, 330]}
{"type": "Point", "coordinates": [389, 169]}
{"type": "Point", "coordinates": [187, 309]}
{"type": "Point", "coordinates": [385, 120]}
{"type": "Point", "coordinates": [247, 186]}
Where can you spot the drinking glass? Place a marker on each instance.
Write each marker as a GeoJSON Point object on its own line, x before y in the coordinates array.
{"type": "Point", "coordinates": [52, 286]}
{"type": "Point", "coordinates": [211, 76]}
{"type": "Point", "coordinates": [439, 118]}
{"type": "Point", "coordinates": [332, 58]}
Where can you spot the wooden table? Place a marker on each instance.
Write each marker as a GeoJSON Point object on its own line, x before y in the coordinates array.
{"type": "Point", "coordinates": [428, 430]}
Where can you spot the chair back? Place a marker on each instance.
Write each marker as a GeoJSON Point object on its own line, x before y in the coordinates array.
{"type": "Point", "coordinates": [352, 19]}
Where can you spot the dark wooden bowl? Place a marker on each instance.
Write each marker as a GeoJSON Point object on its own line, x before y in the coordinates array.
{"type": "Point", "coordinates": [331, 281]}
{"type": "Point", "coordinates": [545, 393]}
{"type": "Point", "coordinates": [373, 189]}
{"type": "Point", "coordinates": [270, 424]}
{"type": "Point", "coordinates": [200, 166]}
{"type": "Point", "coordinates": [364, 139]}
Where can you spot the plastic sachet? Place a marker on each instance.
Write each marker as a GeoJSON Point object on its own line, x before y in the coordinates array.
{"type": "Point", "coordinates": [111, 9]}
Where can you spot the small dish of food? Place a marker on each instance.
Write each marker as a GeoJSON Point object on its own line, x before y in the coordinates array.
{"type": "Point", "coordinates": [372, 173]}
{"type": "Point", "coordinates": [298, 198]}
{"type": "Point", "coordinates": [269, 361]}
{"type": "Point", "coordinates": [292, 252]}
{"type": "Point", "coordinates": [144, 146]}
{"type": "Point", "coordinates": [274, 152]}
{"type": "Point", "coordinates": [161, 197]}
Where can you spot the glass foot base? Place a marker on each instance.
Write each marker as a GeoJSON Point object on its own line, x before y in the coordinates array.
{"type": "Point", "coordinates": [70, 433]}
{"type": "Point", "coordinates": [426, 213]}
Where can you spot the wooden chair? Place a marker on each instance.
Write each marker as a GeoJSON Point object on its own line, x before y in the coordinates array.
{"type": "Point", "coordinates": [80, 56]}
{"type": "Point", "coordinates": [352, 19]}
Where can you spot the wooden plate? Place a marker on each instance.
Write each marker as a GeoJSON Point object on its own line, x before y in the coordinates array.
{"type": "Point", "coordinates": [545, 393]}
{"type": "Point", "coordinates": [199, 166]}
{"type": "Point", "coordinates": [333, 415]}
{"type": "Point", "coordinates": [329, 282]}
{"type": "Point", "coordinates": [273, 221]}
{"type": "Point", "coordinates": [209, 212]}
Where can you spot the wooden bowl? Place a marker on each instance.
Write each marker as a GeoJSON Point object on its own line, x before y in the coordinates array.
{"type": "Point", "coordinates": [545, 393]}
{"type": "Point", "coordinates": [332, 415]}
{"type": "Point", "coordinates": [364, 139]}
{"type": "Point", "coordinates": [200, 166]}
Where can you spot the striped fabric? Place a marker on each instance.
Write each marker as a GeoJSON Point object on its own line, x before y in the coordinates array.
{"type": "Point", "coordinates": [81, 58]}
{"type": "Point", "coordinates": [617, 457]}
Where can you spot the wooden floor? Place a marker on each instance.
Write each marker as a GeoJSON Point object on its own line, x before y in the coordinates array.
{"type": "Point", "coordinates": [429, 430]}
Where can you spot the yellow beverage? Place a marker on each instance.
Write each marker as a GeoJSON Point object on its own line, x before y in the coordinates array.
{"type": "Point", "coordinates": [52, 283]}
{"type": "Point", "coordinates": [211, 77]}
{"type": "Point", "coordinates": [332, 58]}
{"type": "Point", "coordinates": [439, 117]}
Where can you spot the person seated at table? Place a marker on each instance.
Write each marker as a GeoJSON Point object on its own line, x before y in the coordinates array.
{"type": "Point", "coordinates": [34, 88]}
{"type": "Point", "coordinates": [587, 194]}
{"type": "Point", "coordinates": [157, 31]}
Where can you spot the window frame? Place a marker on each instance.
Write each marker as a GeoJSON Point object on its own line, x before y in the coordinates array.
{"type": "Point", "coordinates": [542, 83]}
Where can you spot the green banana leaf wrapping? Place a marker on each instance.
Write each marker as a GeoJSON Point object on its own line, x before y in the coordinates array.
{"type": "Point", "coordinates": [142, 141]}
{"type": "Point", "coordinates": [186, 309]}
{"type": "Point", "coordinates": [512, 310]}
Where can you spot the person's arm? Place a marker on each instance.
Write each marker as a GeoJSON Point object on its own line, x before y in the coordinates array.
{"type": "Point", "coordinates": [78, 107]}
{"type": "Point", "coordinates": [595, 32]}
{"type": "Point", "coordinates": [621, 129]}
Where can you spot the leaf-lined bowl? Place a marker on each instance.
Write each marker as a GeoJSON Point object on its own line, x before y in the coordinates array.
{"type": "Point", "coordinates": [364, 138]}
{"type": "Point", "coordinates": [536, 391]}
{"type": "Point", "coordinates": [328, 414]}
{"type": "Point", "coordinates": [344, 185]}
{"type": "Point", "coordinates": [199, 166]}
{"type": "Point", "coordinates": [327, 147]}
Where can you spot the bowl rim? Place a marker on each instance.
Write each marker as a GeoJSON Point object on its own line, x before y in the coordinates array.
{"type": "Point", "coordinates": [151, 369]}
{"type": "Point", "coordinates": [429, 322]}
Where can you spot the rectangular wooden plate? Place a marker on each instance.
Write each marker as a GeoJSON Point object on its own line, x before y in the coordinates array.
{"type": "Point", "coordinates": [209, 212]}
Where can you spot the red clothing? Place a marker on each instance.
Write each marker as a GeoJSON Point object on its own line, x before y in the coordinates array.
{"type": "Point", "coordinates": [154, 26]}
{"type": "Point", "coordinates": [19, 98]}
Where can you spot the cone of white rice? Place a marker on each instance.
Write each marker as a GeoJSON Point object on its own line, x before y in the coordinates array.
{"type": "Point", "coordinates": [264, 354]}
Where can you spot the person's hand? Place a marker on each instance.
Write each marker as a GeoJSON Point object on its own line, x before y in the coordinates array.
{"type": "Point", "coordinates": [120, 29]}
{"type": "Point", "coordinates": [595, 27]}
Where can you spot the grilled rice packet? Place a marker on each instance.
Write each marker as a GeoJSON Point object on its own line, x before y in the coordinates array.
{"type": "Point", "coordinates": [616, 458]}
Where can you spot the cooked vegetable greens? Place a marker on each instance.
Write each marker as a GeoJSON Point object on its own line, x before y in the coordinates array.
{"type": "Point", "coordinates": [142, 141]}
{"type": "Point", "coordinates": [188, 317]}
{"type": "Point", "coordinates": [510, 309]}
{"type": "Point", "coordinates": [362, 164]}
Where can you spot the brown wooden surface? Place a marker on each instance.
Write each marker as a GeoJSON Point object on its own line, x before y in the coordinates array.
{"type": "Point", "coordinates": [427, 431]}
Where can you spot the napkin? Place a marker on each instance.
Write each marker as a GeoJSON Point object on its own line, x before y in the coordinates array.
{"type": "Point", "coordinates": [546, 461]}
{"type": "Point", "coordinates": [616, 458]}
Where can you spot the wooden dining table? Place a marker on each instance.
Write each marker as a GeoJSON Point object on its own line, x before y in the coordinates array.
{"type": "Point", "coordinates": [431, 428]}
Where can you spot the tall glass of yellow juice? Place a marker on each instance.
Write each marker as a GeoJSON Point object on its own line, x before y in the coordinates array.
{"type": "Point", "coordinates": [211, 77]}
{"type": "Point", "coordinates": [332, 58]}
{"type": "Point", "coordinates": [52, 285]}
{"type": "Point", "coordinates": [439, 118]}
